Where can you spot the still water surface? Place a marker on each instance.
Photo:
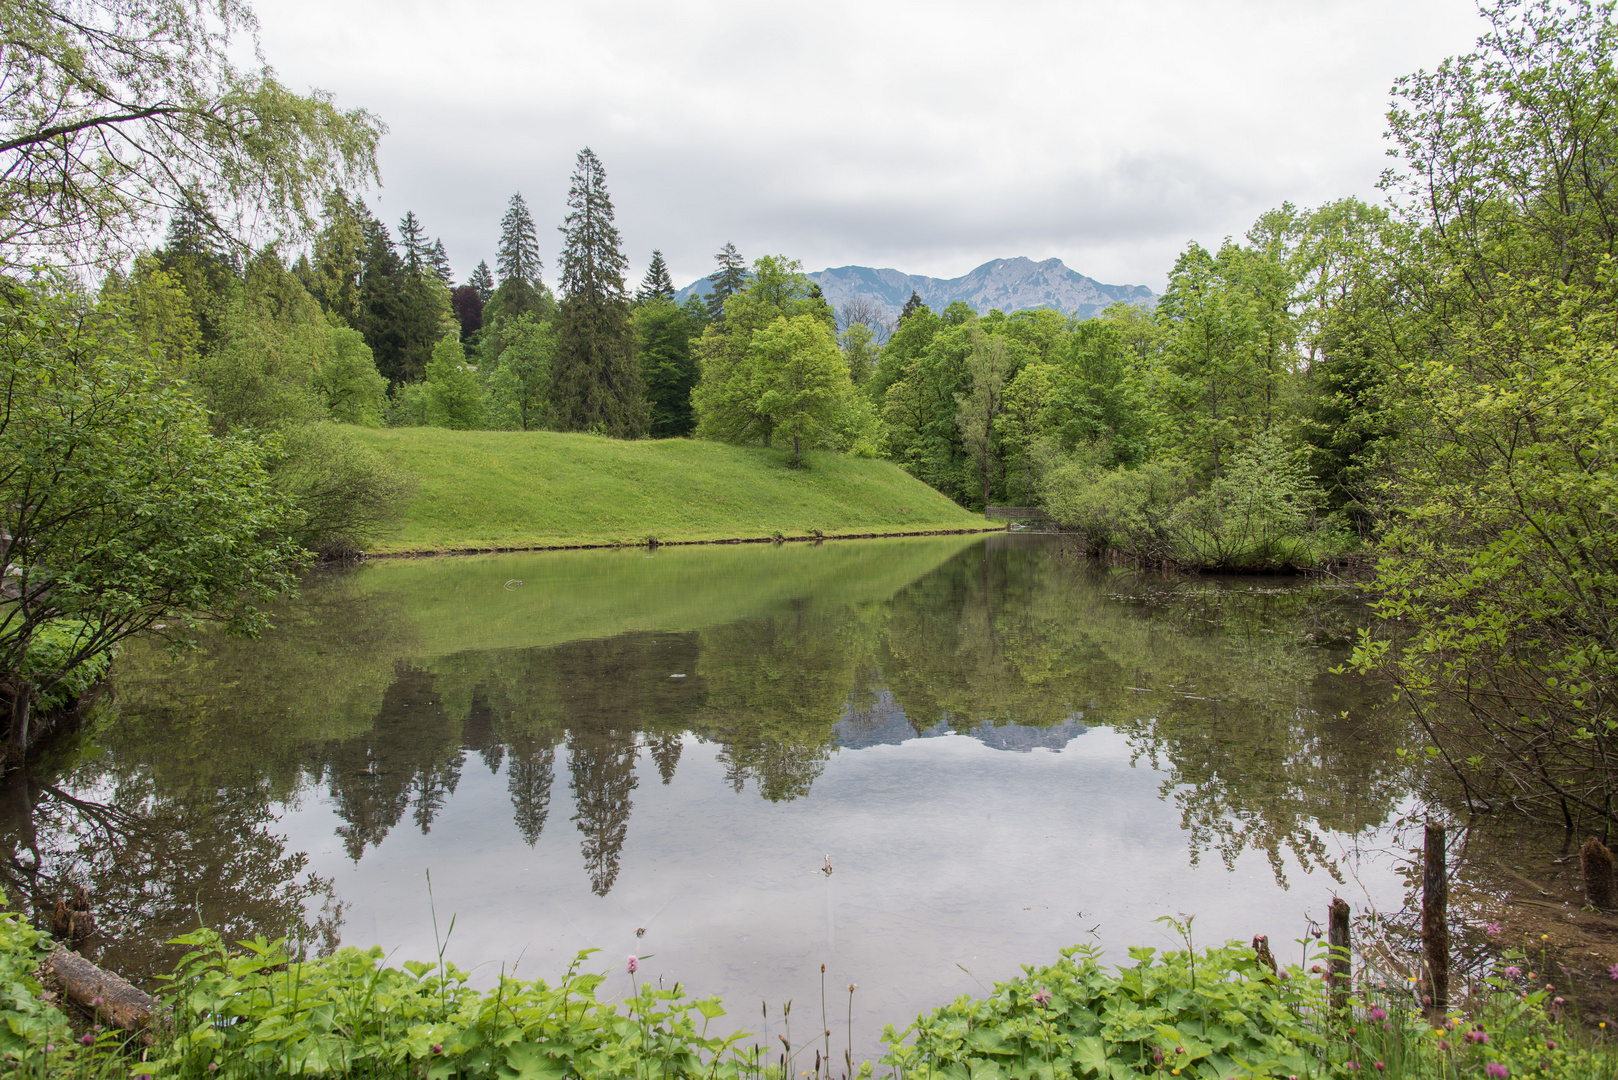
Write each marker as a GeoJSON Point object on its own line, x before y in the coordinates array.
{"type": "Point", "coordinates": [998, 748]}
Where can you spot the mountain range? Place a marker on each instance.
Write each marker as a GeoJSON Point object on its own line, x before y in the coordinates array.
{"type": "Point", "coordinates": [1006, 284]}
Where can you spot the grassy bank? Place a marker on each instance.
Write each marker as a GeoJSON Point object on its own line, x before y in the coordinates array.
{"type": "Point", "coordinates": [480, 490]}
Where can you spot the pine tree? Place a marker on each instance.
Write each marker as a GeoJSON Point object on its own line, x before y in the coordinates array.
{"type": "Point", "coordinates": [438, 259]}
{"type": "Point", "coordinates": [730, 278]}
{"type": "Point", "coordinates": [413, 238]}
{"type": "Point", "coordinates": [518, 256]}
{"type": "Point", "coordinates": [482, 281]}
{"type": "Point", "coordinates": [381, 286]}
{"type": "Point", "coordinates": [912, 305]}
{"type": "Point", "coordinates": [656, 285]}
{"type": "Point", "coordinates": [598, 383]}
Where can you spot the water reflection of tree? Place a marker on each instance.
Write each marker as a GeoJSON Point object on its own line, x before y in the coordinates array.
{"type": "Point", "coordinates": [410, 759]}
{"type": "Point", "coordinates": [157, 864]}
{"type": "Point", "coordinates": [1223, 686]}
{"type": "Point", "coordinates": [775, 691]}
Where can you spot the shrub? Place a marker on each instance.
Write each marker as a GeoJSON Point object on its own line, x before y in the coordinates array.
{"type": "Point", "coordinates": [345, 493]}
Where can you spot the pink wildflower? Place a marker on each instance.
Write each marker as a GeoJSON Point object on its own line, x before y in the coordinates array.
{"type": "Point", "coordinates": [1042, 998]}
{"type": "Point", "coordinates": [1493, 929]}
{"type": "Point", "coordinates": [1496, 1070]}
{"type": "Point", "coordinates": [633, 965]}
{"type": "Point", "coordinates": [1515, 972]}
{"type": "Point", "coordinates": [1378, 1013]}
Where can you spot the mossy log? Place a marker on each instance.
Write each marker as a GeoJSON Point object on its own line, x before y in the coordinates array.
{"type": "Point", "coordinates": [110, 998]}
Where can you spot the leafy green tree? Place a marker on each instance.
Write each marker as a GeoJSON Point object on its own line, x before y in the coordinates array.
{"type": "Point", "coordinates": [906, 344]}
{"type": "Point", "coordinates": [596, 378]}
{"type": "Point", "coordinates": [162, 313]}
{"type": "Point", "coordinates": [275, 339]}
{"type": "Point", "coordinates": [656, 285]}
{"type": "Point", "coordinates": [859, 352]}
{"type": "Point", "coordinates": [339, 259]}
{"type": "Point", "coordinates": [454, 395]}
{"type": "Point", "coordinates": [1498, 551]}
{"type": "Point", "coordinates": [667, 334]}
{"type": "Point", "coordinates": [1099, 405]}
{"type": "Point", "coordinates": [977, 409]}
{"type": "Point", "coordinates": [1214, 383]}
{"type": "Point", "coordinates": [802, 376]}
{"type": "Point", "coordinates": [727, 281]}
{"type": "Point", "coordinates": [520, 388]}
{"type": "Point", "coordinates": [726, 398]}
{"type": "Point", "coordinates": [122, 510]}
{"type": "Point", "coordinates": [115, 112]}
{"type": "Point", "coordinates": [347, 381]}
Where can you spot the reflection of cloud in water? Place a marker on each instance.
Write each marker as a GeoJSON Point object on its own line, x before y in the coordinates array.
{"type": "Point", "coordinates": [884, 723]}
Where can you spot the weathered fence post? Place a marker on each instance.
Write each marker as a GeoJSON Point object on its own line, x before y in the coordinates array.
{"type": "Point", "coordinates": [1340, 965]}
{"type": "Point", "coordinates": [1435, 921]}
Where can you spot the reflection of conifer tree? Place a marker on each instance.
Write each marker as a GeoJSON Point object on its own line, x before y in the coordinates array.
{"type": "Point", "coordinates": [411, 755]}
{"type": "Point", "coordinates": [477, 733]}
{"type": "Point", "coordinates": [666, 752]}
{"type": "Point", "coordinates": [602, 762]}
{"type": "Point", "coordinates": [529, 781]}
{"type": "Point", "coordinates": [433, 788]}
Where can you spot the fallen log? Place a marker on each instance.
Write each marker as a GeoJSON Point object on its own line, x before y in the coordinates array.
{"type": "Point", "coordinates": [110, 998]}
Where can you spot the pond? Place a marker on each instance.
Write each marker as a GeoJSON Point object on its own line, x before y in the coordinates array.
{"type": "Point", "coordinates": [996, 749]}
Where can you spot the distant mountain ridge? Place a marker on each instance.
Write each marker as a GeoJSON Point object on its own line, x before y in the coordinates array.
{"type": "Point", "coordinates": [1006, 284]}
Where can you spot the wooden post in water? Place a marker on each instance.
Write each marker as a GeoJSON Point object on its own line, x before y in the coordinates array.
{"type": "Point", "coordinates": [1435, 922]}
{"type": "Point", "coordinates": [1340, 965]}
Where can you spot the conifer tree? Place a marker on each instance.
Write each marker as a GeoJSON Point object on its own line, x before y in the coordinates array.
{"type": "Point", "coordinates": [596, 379]}
{"type": "Point", "coordinates": [912, 305]}
{"type": "Point", "coordinates": [413, 238]}
{"type": "Point", "coordinates": [438, 259]}
{"type": "Point", "coordinates": [482, 281]}
{"type": "Point", "coordinates": [517, 258]}
{"type": "Point", "coordinates": [381, 286]}
{"type": "Point", "coordinates": [656, 285]}
{"type": "Point", "coordinates": [730, 278]}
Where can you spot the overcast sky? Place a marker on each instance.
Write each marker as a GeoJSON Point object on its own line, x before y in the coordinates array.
{"type": "Point", "coordinates": [928, 137]}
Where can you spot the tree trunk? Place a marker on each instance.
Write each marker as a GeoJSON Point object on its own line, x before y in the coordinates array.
{"type": "Point", "coordinates": [797, 452]}
{"type": "Point", "coordinates": [121, 1004]}
{"type": "Point", "coordinates": [1435, 923]}
{"type": "Point", "coordinates": [17, 747]}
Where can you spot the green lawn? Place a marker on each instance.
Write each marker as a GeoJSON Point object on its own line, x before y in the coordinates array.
{"type": "Point", "coordinates": [510, 489]}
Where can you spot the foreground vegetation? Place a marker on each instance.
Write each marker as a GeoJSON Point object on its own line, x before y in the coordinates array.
{"type": "Point", "coordinates": [257, 1011]}
{"type": "Point", "coordinates": [535, 489]}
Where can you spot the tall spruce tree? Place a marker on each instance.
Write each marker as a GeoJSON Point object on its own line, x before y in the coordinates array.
{"type": "Point", "coordinates": [438, 259]}
{"type": "Point", "coordinates": [482, 281]}
{"type": "Point", "coordinates": [730, 278]}
{"type": "Point", "coordinates": [517, 258]}
{"type": "Point", "coordinates": [656, 285]}
{"type": "Point", "coordinates": [413, 238]}
{"type": "Point", "coordinates": [912, 306]}
{"type": "Point", "coordinates": [597, 381]}
{"type": "Point", "coordinates": [381, 288]}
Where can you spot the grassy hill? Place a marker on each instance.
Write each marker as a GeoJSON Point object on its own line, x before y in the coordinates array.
{"type": "Point", "coordinates": [480, 490]}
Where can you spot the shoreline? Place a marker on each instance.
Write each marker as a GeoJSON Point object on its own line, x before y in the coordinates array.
{"type": "Point", "coordinates": [655, 542]}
